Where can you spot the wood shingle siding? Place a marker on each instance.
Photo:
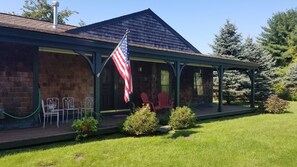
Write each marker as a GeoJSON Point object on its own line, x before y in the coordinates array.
{"type": "Point", "coordinates": [146, 29]}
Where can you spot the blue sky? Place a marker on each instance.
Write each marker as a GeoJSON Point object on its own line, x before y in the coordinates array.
{"type": "Point", "coordinates": [196, 20]}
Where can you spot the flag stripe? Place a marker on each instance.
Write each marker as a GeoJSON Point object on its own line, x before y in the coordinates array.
{"type": "Point", "coordinates": [120, 58]}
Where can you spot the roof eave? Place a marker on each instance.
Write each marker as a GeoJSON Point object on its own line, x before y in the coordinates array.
{"type": "Point", "coordinates": [72, 42]}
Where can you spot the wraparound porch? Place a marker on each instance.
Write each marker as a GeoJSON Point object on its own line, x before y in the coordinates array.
{"type": "Point", "coordinates": [110, 124]}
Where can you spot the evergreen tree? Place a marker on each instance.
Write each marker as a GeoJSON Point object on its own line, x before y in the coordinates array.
{"type": "Point", "coordinates": [291, 78]}
{"type": "Point", "coordinates": [292, 44]}
{"type": "Point", "coordinates": [264, 74]}
{"type": "Point", "coordinates": [275, 36]}
{"type": "Point", "coordinates": [41, 10]}
{"type": "Point", "coordinates": [228, 44]}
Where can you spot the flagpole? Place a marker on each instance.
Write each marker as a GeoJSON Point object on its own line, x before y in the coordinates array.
{"type": "Point", "coordinates": [105, 62]}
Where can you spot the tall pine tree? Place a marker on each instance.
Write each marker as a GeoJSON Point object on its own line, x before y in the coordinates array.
{"type": "Point", "coordinates": [228, 44]}
{"type": "Point", "coordinates": [275, 36]}
{"type": "Point", "coordinates": [264, 74]}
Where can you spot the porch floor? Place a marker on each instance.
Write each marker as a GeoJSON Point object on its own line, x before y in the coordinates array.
{"type": "Point", "coordinates": [110, 123]}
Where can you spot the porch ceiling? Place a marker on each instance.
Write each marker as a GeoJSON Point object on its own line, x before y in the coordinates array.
{"type": "Point", "coordinates": [80, 43]}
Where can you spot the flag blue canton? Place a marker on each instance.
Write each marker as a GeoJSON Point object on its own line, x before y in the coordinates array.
{"type": "Point", "coordinates": [124, 48]}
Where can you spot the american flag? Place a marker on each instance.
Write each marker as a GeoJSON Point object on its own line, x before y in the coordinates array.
{"type": "Point", "coordinates": [122, 62]}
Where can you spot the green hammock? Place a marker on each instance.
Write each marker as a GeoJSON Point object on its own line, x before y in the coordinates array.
{"type": "Point", "coordinates": [37, 110]}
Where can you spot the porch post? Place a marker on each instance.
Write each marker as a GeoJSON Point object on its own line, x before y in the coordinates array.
{"type": "Point", "coordinates": [97, 66]}
{"type": "Point", "coordinates": [177, 92]}
{"type": "Point", "coordinates": [35, 82]}
{"type": "Point", "coordinates": [252, 98]}
{"type": "Point", "coordinates": [220, 75]}
{"type": "Point", "coordinates": [115, 88]}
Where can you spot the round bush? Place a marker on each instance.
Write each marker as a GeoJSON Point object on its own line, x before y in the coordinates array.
{"type": "Point", "coordinates": [84, 126]}
{"type": "Point", "coordinates": [182, 117]}
{"type": "Point", "coordinates": [142, 122]}
{"type": "Point", "coordinates": [276, 105]}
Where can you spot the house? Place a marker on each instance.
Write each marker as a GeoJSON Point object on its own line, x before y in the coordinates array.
{"type": "Point", "coordinates": [65, 61]}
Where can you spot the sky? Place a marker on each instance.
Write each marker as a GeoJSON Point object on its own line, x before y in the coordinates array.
{"type": "Point", "coordinates": [196, 20]}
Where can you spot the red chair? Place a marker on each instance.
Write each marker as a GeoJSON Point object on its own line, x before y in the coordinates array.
{"type": "Point", "coordinates": [163, 101]}
{"type": "Point", "coordinates": [146, 101]}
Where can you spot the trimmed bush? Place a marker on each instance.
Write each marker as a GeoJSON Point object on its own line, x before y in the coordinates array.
{"type": "Point", "coordinates": [276, 105]}
{"type": "Point", "coordinates": [142, 122]}
{"type": "Point", "coordinates": [182, 117]}
{"type": "Point", "coordinates": [84, 126]}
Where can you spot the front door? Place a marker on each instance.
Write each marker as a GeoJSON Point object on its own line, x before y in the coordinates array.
{"type": "Point", "coordinates": [112, 89]}
{"type": "Point", "coordinates": [107, 93]}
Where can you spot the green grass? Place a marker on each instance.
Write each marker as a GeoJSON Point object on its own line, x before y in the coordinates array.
{"type": "Point", "coordinates": [252, 140]}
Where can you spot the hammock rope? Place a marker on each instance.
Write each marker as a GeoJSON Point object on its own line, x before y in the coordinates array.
{"type": "Point", "coordinates": [37, 110]}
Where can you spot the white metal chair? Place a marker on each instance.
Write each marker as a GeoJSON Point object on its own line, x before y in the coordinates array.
{"type": "Point", "coordinates": [48, 113]}
{"type": "Point", "coordinates": [68, 105]}
{"type": "Point", "coordinates": [87, 106]}
{"type": "Point", "coordinates": [53, 106]}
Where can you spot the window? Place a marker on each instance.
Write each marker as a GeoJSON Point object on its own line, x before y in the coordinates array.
{"type": "Point", "coordinates": [165, 81]}
{"type": "Point", "coordinates": [198, 87]}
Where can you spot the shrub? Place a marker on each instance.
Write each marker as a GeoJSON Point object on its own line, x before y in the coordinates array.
{"type": "Point", "coordinates": [84, 126]}
{"type": "Point", "coordinates": [182, 117]}
{"type": "Point", "coordinates": [282, 91]}
{"type": "Point", "coordinates": [142, 122]}
{"type": "Point", "coordinates": [294, 97]}
{"type": "Point", "coordinates": [276, 105]}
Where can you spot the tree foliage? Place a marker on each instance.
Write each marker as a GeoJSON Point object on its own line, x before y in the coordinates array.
{"type": "Point", "coordinates": [228, 44]}
{"type": "Point", "coordinates": [278, 36]}
{"type": "Point", "coordinates": [292, 44]}
{"type": "Point", "coordinates": [291, 78]}
{"type": "Point", "coordinates": [228, 41]}
{"type": "Point", "coordinates": [265, 74]}
{"type": "Point", "coordinates": [41, 10]}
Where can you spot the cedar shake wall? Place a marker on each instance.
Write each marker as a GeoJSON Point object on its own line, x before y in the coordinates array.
{"type": "Point", "coordinates": [63, 75]}
{"type": "Point", "coordinates": [148, 81]}
{"type": "Point", "coordinates": [16, 78]}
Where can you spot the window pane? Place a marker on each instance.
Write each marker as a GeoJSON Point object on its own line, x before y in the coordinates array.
{"type": "Point", "coordinates": [164, 77]}
{"type": "Point", "coordinates": [165, 81]}
{"type": "Point", "coordinates": [198, 85]}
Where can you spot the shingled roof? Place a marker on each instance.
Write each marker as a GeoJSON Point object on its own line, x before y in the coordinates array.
{"type": "Point", "coordinates": [146, 29]}
{"type": "Point", "coordinates": [27, 23]}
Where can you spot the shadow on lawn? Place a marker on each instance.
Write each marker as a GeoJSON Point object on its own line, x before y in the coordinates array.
{"type": "Point", "coordinates": [288, 112]}
{"type": "Point", "coordinates": [182, 133]}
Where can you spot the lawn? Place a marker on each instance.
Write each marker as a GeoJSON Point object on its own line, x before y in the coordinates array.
{"type": "Point", "coordinates": [251, 140]}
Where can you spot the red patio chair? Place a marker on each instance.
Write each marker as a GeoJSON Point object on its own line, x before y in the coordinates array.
{"type": "Point", "coordinates": [146, 101]}
{"type": "Point", "coordinates": [163, 101]}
